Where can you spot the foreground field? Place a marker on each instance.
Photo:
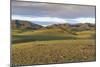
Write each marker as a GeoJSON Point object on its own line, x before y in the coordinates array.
{"type": "Point", "coordinates": [53, 51]}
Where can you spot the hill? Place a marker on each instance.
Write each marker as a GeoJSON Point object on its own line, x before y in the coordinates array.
{"type": "Point", "coordinates": [73, 27]}
{"type": "Point", "coordinates": [18, 24]}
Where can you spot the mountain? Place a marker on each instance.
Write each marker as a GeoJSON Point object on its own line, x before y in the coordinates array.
{"type": "Point", "coordinates": [83, 26]}
{"type": "Point", "coordinates": [18, 24]}
{"type": "Point", "coordinates": [75, 27]}
{"type": "Point", "coordinates": [59, 26]}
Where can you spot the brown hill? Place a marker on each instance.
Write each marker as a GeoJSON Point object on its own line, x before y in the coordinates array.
{"type": "Point", "coordinates": [75, 27]}
{"type": "Point", "coordinates": [18, 24]}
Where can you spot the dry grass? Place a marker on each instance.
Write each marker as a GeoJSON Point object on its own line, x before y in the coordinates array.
{"type": "Point", "coordinates": [54, 51]}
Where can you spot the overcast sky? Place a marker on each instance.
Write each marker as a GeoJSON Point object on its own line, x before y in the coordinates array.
{"type": "Point", "coordinates": [44, 13]}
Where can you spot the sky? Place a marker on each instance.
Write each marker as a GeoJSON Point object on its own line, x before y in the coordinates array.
{"type": "Point", "coordinates": [46, 13]}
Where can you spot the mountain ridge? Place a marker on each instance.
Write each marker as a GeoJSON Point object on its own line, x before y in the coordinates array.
{"type": "Point", "coordinates": [18, 24]}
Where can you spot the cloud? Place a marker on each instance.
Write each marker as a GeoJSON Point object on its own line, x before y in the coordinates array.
{"type": "Point", "coordinates": [52, 10]}
{"type": "Point", "coordinates": [45, 14]}
{"type": "Point", "coordinates": [86, 20]}
{"type": "Point", "coordinates": [82, 20]}
{"type": "Point", "coordinates": [40, 19]}
{"type": "Point", "coordinates": [54, 20]}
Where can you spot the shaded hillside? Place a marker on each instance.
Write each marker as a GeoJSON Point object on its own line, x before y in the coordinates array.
{"type": "Point", "coordinates": [73, 27]}
{"type": "Point", "coordinates": [18, 24]}
{"type": "Point", "coordinates": [83, 26]}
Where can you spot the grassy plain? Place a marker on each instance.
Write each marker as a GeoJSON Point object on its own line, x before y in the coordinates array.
{"type": "Point", "coordinates": [52, 46]}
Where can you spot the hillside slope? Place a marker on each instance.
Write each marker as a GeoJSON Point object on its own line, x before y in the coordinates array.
{"type": "Point", "coordinates": [18, 24]}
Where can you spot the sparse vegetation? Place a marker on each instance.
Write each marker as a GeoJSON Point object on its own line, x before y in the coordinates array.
{"type": "Point", "coordinates": [54, 51]}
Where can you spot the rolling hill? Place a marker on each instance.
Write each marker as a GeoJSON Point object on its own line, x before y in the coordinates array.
{"type": "Point", "coordinates": [18, 24]}
{"type": "Point", "coordinates": [24, 31]}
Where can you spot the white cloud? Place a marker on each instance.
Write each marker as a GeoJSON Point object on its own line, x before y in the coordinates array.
{"type": "Point", "coordinates": [54, 20]}
{"type": "Point", "coordinates": [41, 19]}
{"type": "Point", "coordinates": [85, 20]}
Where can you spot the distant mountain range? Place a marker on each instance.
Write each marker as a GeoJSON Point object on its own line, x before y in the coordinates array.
{"type": "Point", "coordinates": [18, 24]}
